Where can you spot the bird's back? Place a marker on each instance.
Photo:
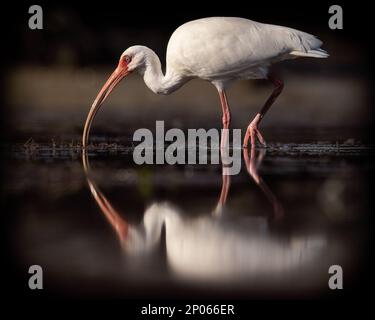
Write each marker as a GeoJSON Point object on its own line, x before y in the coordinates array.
{"type": "Point", "coordinates": [220, 47]}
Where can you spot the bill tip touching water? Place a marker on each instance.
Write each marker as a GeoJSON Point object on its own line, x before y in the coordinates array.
{"type": "Point", "coordinates": [229, 159]}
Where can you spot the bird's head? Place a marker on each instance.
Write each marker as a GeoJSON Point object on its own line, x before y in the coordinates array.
{"type": "Point", "coordinates": [136, 58]}
{"type": "Point", "coordinates": [133, 59]}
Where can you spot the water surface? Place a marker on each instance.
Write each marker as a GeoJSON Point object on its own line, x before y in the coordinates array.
{"type": "Point", "coordinates": [124, 230]}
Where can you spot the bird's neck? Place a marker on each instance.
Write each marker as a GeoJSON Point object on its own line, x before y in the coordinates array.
{"type": "Point", "coordinates": [156, 80]}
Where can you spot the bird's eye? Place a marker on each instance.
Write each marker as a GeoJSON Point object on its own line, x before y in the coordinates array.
{"type": "Point", "coordinates": [127, 59]}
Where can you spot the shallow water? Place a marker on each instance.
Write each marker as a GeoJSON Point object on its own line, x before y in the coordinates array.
{"type": "Point", "coordinates": [146, 231]}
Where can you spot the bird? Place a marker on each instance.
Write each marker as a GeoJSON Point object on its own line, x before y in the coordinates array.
{"type": "Point", "coordinates": [220, 50]}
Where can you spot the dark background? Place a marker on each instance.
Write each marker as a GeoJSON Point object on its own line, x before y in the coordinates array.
{"type": "Point", "coordinates": [83, 41]}
{"type": "Point", "coordinates": [85, 27]}
{"type": "Point", "coordinates": [94, 34]}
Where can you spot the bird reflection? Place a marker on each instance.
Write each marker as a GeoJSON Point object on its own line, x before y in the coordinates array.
{"type": "Point", "coordinates": [217, 246]}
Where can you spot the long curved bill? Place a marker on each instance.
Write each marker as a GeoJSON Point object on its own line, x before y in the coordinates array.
{"type": "Point", "coordinates": [113, 80]}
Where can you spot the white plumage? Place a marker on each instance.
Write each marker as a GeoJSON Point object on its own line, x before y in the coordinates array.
{"type": "Point", "coordinates": [220, 50]}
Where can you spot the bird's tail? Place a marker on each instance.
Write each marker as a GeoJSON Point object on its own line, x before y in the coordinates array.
{"type": "Point", "coordinates": [314, 53]}
{"type": "Point", "coordinates": [305, 45]}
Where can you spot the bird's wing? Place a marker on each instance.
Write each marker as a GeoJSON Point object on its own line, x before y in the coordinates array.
{"type": "Point", "coordinates": [214, 47]}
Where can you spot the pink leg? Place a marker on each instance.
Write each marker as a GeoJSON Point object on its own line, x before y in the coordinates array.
{"type": "Point", "coordinates": [226, 118]}
{"type": "Point", "coordinates": [252, 130]}
{"type": "Point", "coordinates": [225, 108]}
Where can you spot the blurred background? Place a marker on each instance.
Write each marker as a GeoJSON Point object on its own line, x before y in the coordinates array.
{"type": "Point", "coordinates": [53, 75]}
{"type": "Point", "coordinates": [319, 163]}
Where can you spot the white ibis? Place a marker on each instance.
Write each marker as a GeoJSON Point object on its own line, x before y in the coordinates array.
{"type": "Point", "coordinates": [220, 50]}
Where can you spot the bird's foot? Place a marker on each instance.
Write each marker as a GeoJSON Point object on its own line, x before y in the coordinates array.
{"type": "Point", "coordinates": [253, 133]}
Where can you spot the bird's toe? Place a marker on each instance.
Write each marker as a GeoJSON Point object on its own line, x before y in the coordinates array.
{"type": "Point", "coordinates": [253, 134]}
